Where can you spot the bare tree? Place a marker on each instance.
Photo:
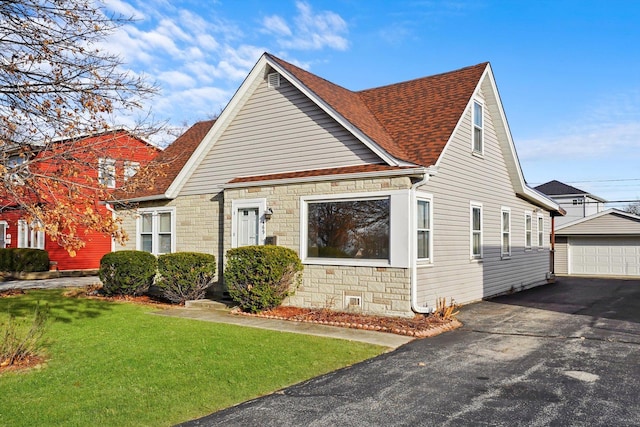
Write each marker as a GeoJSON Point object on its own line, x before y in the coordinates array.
{"type": "Point", "coordinates": [57, 88]}
{"type": "Point", "coordinates": [633, 208]}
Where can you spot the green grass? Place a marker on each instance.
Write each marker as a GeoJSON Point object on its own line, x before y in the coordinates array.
{"type": "Point", "coordinates": [114, 364]}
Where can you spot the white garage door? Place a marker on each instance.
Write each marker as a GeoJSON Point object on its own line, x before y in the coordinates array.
{"type": "Point", "coordinates": [604, 256]}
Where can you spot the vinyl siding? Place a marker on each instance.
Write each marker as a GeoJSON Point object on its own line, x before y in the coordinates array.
{"type": "Point", "coordinates": [610, 224]}
{"type": "Point", "coordinates": [561, 260]}
{"type": "Point", "coordinates": [277, 130]}
{"type": "Point", "coordinates": [463, 178]}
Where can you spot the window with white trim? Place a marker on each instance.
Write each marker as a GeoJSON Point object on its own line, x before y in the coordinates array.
{"type": "Point", "coordinates": [528, 230]}
{"type": "Point", "coordinates": [156, 231]}
{"type": "Point", "coordinates": [506, 232]}
{"type": "Point", "coordinates": [356, 228]}
{"type": "Point", "coordinates": [478, 128]}
{"type": "Point", "coordinates": [423, 228]}
{"type": "Point", "coordinates": [107, 172]}
{"type": "Point", "coordinates": [130, 169]}
{"type": "Point", "coordinates": [3, 234]}
{"type": "Point", "coordinates": [540, 231]}
{"type": "Point", "coordinates": [30, 235]}
{"type": "Point", "coordinates": [476, 231]}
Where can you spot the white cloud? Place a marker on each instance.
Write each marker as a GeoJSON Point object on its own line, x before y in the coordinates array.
{"type": "Point", "coordinates": [312, 31]}
{"type": "Point", "coordinates": [609, 129]}
{"type": "Point", "coordinates": [276, 25]}
{"type": "Point", "coordinates": [177, 79]}
{"type": "Point", "coordinates": [124, 9]}
{"type": "Point", "coordinates": [588, 142]}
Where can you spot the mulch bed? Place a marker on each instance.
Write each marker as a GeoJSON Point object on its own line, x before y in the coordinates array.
{"type": "Point", "coordinates": [419, 326]}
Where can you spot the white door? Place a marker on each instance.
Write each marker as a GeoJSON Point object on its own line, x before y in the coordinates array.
{"type": "Point", "coordinates": [248, 226]}
{"type": "Point", "coordinates": [604, 256]}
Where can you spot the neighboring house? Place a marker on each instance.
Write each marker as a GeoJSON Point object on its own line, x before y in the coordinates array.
{"type": "Point", "coordinates": [577, 203]}
{"type": "Point", "coordinates": [120, 156]}
{"type": "Point", "coordinates": [393, 197]}
{"type": "Point", "coordinates": [603, 244]}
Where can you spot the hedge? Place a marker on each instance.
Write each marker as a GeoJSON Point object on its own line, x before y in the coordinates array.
{"type": "Point", "coordinates": [127, 272]}
{"type": "Point", "coordinates": [261, 277]}
{"type": "Point", "coordinates": [184, 276]}
{"type": "Point", "coordinates": [23, 260]}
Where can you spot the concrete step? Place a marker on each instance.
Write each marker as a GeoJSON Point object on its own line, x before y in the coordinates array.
{"type": "Point", "coordinates": [206, 304]}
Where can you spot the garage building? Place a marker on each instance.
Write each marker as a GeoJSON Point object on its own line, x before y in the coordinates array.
{"type": "Point", "coordinates": [603, 244]}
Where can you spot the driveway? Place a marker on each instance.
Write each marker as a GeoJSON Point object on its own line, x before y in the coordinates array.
{"type": "Point", "coordinates": [562, 354]}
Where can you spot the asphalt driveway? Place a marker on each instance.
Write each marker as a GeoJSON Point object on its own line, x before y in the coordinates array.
{"type": "Point", "coordinates": [562, 354]}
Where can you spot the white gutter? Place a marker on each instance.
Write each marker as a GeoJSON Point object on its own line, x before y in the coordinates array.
{"type": "Point", "coordinates": [414, 243]}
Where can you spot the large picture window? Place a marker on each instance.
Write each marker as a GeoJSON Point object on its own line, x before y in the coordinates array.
{"type": "Point", "coordinates": [349, 229]}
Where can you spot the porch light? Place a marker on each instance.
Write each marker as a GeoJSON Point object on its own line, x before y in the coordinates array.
{"type": "Point", "coordinates": [268, 213]}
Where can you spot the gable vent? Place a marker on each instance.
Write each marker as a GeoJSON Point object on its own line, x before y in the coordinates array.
{"type": "Point", "coordinates": [273, 80]}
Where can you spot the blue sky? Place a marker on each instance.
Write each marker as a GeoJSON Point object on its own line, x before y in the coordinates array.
{"type": "Point", "coordinates": [568, 71]}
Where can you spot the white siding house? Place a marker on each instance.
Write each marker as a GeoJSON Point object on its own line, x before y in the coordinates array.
{"type": "Point", "coordinates": [392, 197]}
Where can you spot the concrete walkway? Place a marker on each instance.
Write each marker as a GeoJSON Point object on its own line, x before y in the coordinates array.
{"type": "Point", "coordinates": [222, 315]}
{"type": "Point", "coordinates": [60, 282]}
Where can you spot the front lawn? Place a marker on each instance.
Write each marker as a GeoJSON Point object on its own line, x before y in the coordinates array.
{"type": "Point", "coordinates": [114, 364]}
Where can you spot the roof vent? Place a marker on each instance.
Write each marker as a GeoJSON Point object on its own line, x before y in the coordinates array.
{"type": "Point", "coordinates": [273, 80]}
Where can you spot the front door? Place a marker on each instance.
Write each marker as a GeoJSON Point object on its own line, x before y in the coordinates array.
{"type": "Point", "coordinates": [248, 226]}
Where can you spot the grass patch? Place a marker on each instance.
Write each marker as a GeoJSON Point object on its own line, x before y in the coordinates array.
{"type": "Point", "coordinates": [113, 364]}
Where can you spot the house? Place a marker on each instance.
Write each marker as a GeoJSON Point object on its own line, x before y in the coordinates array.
{"type": "Point", "coordinates": [393, 197]}
{"type": "Point", "coordinates": [577, 203]}
{"type": "Point", "coordinates": [117, 156]}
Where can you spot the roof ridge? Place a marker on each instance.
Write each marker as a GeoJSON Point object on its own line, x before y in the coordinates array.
{"type": "Point", "coordinates": [481, 64]}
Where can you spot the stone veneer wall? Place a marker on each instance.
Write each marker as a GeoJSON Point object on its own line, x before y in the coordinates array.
{"type": "Point", "coordinates": [383, 290]}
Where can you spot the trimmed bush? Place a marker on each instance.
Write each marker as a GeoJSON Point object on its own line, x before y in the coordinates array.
{"type": "Point", "coordinates": [184, 276]}
{"type": "Point", "coordinates": [261, 277]}
{"type": "Point", "coordinates": [24, 260]}
{"type": "Point", "coordinates": [127, 272]}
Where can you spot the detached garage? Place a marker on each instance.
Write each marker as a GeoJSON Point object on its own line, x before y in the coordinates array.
{"type": "Point", "coordinates": [603, 244]}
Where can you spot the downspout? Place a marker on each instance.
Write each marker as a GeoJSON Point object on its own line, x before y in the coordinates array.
{"type": "Point", "coordinates": [414, 243]}
{"type": "Point", "coordinates": [552, 258]}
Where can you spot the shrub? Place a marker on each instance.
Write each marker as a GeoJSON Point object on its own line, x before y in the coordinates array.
{"type": "Point", "coordinates": [19, 342]}
{"type": "Point", "coordinates": [29, 260]}
{"type": "Point", "coordinates": [6, 259]}
{"type": "Point", "coordinates": [23, 260]}
{"type": "Point", "coordinates": [127, 272]}
{"type": "Point", "coordinates": [185, 276]}
{"type": "Point", "coordinates": [261, 277]}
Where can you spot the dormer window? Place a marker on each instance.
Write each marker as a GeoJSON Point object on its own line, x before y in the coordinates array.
{"type": "Point", "coordinates": [478, 128]}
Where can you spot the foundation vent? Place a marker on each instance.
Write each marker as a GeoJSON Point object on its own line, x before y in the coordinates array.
{"type": "Point", "coordinates": [353, 301]}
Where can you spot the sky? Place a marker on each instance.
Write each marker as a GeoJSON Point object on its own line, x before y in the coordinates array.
{"type": "Point", "coordinates": [567, 71]}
